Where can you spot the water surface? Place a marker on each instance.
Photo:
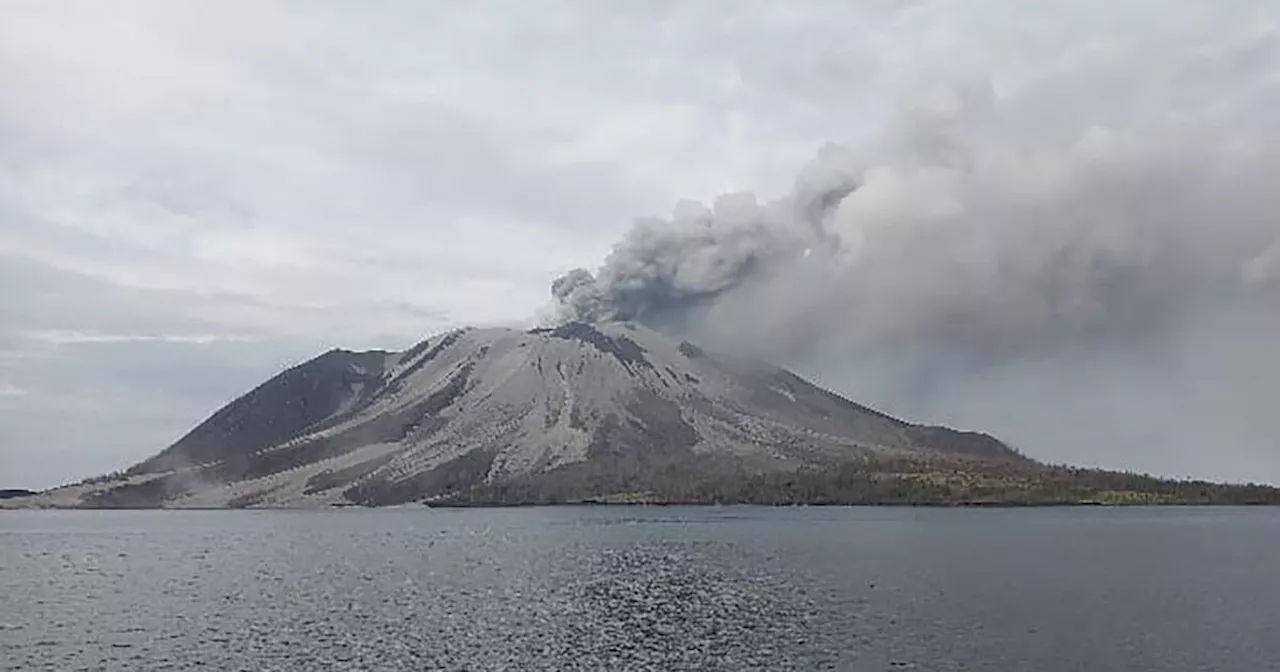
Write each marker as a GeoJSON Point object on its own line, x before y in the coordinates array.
{"type": "Point", "coordinates": [734, 588]}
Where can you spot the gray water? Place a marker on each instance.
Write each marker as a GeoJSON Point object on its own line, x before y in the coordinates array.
{"type": "Point", "coordinates": [642, 588]}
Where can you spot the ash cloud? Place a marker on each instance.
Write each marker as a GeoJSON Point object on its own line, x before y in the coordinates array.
{"type": "Point", "coordinates": [663, 269]}
{"type": "Point", "coordinates": [998, 254]}
{"type": "Point", "coordinates": [992, 255]}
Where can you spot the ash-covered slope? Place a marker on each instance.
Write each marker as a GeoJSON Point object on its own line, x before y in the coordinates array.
{"type": "Point", "coordinates": [497, 415]}
{"type": "Point", "coordinates": [300, 398]}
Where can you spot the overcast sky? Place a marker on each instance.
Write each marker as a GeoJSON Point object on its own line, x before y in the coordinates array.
{"type": "Point", "coordinates": [194, 195]}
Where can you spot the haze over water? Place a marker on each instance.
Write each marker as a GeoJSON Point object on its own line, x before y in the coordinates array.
{"type": "Point", "coordinates": [735, 588]}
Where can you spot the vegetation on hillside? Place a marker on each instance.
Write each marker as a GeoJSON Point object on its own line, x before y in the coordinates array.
{"type": "Point", "coordinates": [881, 482]}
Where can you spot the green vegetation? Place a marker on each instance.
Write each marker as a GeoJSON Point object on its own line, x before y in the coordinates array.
{"type": "Point", "coordinates": [908, 481]}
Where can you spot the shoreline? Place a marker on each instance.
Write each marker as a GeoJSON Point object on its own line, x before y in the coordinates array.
{"type": "Point", "coordinates": [666, 504]}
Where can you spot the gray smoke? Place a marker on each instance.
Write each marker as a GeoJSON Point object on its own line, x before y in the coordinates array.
{"type": "Point", "coordinates": [664, 268]}
{"type": "Point", "coordinates": [991, 257]}
{"type": "Point", "coordinates": [997, 257]}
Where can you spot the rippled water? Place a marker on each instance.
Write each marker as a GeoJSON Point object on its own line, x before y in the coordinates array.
{"type": "Point", "coordinates": [642, 588]}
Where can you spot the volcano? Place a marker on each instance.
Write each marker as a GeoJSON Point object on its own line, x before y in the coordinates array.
{"type": "Point", "coordinates": [612, 412]}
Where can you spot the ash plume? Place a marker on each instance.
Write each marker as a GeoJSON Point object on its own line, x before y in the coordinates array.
{"type": "Point", "coordinates": [988, 256]}
{"type": "Point", "coordinates": [665, 267]}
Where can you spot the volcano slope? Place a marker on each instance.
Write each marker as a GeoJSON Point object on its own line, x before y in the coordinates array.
{"type": "Point", "coordinates": [583, 413]}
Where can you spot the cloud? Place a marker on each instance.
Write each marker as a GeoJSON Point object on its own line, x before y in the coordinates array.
{"type": "Point", "coordinates": [62, 337]}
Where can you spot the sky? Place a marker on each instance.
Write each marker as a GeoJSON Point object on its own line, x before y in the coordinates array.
{"type": "Point", "coordinates": [196, 195]}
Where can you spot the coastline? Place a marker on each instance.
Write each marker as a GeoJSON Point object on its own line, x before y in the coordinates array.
{"type": "Point", "coordinates": [444, 506]}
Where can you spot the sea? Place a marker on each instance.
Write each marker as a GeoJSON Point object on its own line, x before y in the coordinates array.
{"type": "Point", "coordinates": [642, 588]}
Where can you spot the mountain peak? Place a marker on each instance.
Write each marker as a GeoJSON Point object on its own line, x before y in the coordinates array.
{"type": "Point", "coordinates": [575, 411]}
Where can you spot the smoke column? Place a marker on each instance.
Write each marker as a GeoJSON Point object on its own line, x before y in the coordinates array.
{"type": "Point", "coordinates": [1098, 287]}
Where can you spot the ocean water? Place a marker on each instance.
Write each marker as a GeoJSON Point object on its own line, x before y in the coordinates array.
{"type": "Point", "coordinates": [733, 588]}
